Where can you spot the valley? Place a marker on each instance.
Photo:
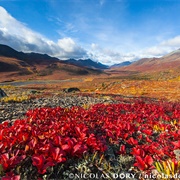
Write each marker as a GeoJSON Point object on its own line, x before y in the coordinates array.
{"type": "Point", "coordinates": [115, 120]}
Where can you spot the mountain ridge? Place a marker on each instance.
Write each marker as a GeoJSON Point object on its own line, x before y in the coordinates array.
{"type": "Point", "coordinates": [31, 58]}
{"type": "Point", "coordinates": [124, 63]}
{"type": "Point", "coordinates": [86, 63]}
{"type": "Point", "coordinates": [16, 65]}
{"type": "Point", "coordinates": [163, 68]}
{"type": "Point", "coordinates": [43, 65]}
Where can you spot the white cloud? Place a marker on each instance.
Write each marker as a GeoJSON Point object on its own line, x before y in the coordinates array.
{"type": "Point", "coordinates": [13, 31]}
{"type": "Point", "coordinates": [109, 56]}
{"type": "Point", "coordinates": [71, 49]}
{"type": "Point", "coordinates": [19, 36]}
{"type": "Point", "coordinates": [155, 51]}
{"type": "Point", "coordinates": [174, 42]}
{"type": "Point", "coordinates": [162, 48]}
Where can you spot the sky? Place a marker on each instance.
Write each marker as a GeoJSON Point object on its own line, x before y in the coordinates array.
{"type": "Point", "coordinates": [108, 31]}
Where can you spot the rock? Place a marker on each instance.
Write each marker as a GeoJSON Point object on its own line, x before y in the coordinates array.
{"type": "Point", "coordinates": [2, 93]}
{"type": "Point", "coordinates": [72, 89]}
{"type": "Point", "coordinates": [12, 111]}
{"type": "Point", "coordinates": [1, 107]}
{"type": "Point", "coordinates": [33, 92]}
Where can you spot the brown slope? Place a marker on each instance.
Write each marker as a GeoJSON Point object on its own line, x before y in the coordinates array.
{"type": "Point", "coordinates": [14, 69]}
{"type": "Point", "coordinates": [169, 62]}
{"type": "Point", "coordinates": [11, 68]}
{"type": "Point", "coordinates": [155, 64]}
{"type": "Point", "coordinates": [14, 65]}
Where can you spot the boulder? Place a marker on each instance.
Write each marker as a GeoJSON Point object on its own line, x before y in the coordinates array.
{"type": "Point", "coordinates": [2, 93]}
{"type": "Point", "coordinates": [72, 89]}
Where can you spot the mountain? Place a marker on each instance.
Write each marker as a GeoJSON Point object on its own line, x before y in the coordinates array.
{"type": "Point", "coordinates": [169, 61]}
{"type": "Point", "coordinates": [32, 58]}
{"type": "Point", "coordinates": [86, 63]}
{"type": "Point", "coordinates": [16, 65]}
{"type": "Point", "coordinates": [167, 66]}
{"type": "Point", "coordinates": [125, 63]}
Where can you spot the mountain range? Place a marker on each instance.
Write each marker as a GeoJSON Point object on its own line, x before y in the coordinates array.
{"type": "Point", "coordinates": [16, 65]}
{"type": "Point", "coordinates": [31, 58]}
{"type": "Point", "coordinates": [168, 62]}
{"type": "Point", "coordinates": [86, 63]}
{"type": "Point", "coordinates": [165, 67]}
{"type": "Point", "coordinates": [125, 63]}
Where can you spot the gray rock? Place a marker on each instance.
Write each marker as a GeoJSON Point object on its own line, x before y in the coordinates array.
{"type": "Point", "coordinates": [12, 111]}
{"type": "Point", "coordinates": [72, 89]}
{"type": "Point", "coordinates": [1, 108]}
{"type": "Point", "coordinates": [2, 93]}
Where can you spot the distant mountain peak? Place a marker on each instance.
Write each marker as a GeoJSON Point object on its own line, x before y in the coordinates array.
{"type": "Point", "coordinates": [172, 53]}
{"type": "Point", "coordinates": [86, 63]}
{"type": "Point", "coordinates": [122, 64]}
{"type": "Point", "coordinates": [31, 57]}
{"type": "Point", "coordinates": [15, 65]}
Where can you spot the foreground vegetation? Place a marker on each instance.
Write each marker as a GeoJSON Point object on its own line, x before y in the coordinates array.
{"type": "Point", "coordinates": [134, 136]}
{"type": "Point", "coordinates": [137, 135]}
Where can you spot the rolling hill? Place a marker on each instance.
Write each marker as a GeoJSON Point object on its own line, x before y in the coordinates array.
{"type": "Point", "coordinates": [125, 63]}
{"type": "Point", "coordinates": [86, 63]}
{"type": "Point", "coordinates": [16, 65]}
{"type": "Point", "coordinates": [31, 58]}
{"type": "Point", "coordinates": [166, 67]}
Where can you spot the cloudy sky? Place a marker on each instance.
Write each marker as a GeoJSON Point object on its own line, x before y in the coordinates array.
{"type": "Point", "coordinates": [108, 31]}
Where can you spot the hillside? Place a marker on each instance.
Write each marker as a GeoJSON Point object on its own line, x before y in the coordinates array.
{"type": "Point", "coordinates": [31, 58]}
{"type": "Point", "coordinates": [166, 67]}
{"type": "Point", "coordinates": [125, 63]}
{"type": "Point", "coordinates": [86, 63]}
{"type": "Point", "coordinates": [16, 65]}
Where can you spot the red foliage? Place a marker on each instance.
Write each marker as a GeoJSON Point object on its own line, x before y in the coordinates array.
{"type": "Point", "coordinates": [144, 163]}
{"type": "Point", "coordinates": [53, 135]}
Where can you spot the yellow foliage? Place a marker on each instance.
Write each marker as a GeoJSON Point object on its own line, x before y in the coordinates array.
{"type": "Point", "coordinates": [7, 87]}
{"type": "Point", "coordinates": [168, 168]}
{"type": "Point", "coordinates": [14, 98]}
{"type": "Point", "coordinates": [86, 106]}
{"type": "Point", "coordinates": [158, 128]}
{"type": "Point", "coordinates": [168, 90]}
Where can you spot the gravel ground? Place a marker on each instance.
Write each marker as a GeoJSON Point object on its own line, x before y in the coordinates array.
{"type": "Point", "coordinates": [13, 111]}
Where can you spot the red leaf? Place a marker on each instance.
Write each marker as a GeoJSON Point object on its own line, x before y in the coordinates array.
{"type": "Point", "coordinates": [132, 141]}
{"type": "Point", "coordinates": [76, 148]}
{"type": "Point", "coordinates": [148, 160]}
{"type": "Point", "coordinates": [79, 149]}
{"type": "Point", "coordinates": [13, 177]}
{"type": "Point", "coordinates": [122, 149]}
{"type": "Point", "coordinates": [80, 133]}
{"type": "Point", "coordinates": [57, 155]}
{"type": "Point", "coordinates": [38, 161]}
{"type": "Point", "coordinates": [176, 144]}
{"type": "Point", "coordinates": [66, 147]}
{"type": "Point", "coordinates": [148, 139]}
{"type": "Point", "coordinates": [4, 160]}
{"type": "Point", "coordinates": [147, 132]}
{"type": "Point", "coordinates": [1, 134]}
{"type": "Point", "coordinates": [57, 140]}
{"type": "Point", "coordinates": [140, 163]}
{"type": "Point", "coordinates": [138, 152]}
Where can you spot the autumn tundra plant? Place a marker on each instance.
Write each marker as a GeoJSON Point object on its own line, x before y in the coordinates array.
{"type": "Point", "coordinates": [53, 142]}
{"type": "Point", "coordinates": [15, 98]}
{"type": "Point", "coordinates": [10, 98]}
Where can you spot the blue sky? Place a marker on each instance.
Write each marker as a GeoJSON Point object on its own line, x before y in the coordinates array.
{"type": "Point", "coordinates": [109, 31]}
